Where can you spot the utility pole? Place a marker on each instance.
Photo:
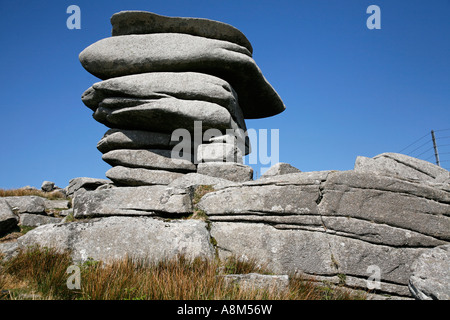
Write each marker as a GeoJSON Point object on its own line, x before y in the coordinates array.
{"type": "Point", "coordinates": [436, 154]}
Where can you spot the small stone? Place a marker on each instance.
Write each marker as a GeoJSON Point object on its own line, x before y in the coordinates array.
{"type": "Point", "coordinates": [279, 169]}
{"type": "Point", "coordinates": [85, 184]}
{"type": "Point", "coordinates": [403, 167]}
{"type": "Point", "coordinates": [48, 186]}
{"type": "Point", "coordinates": [226, 170]}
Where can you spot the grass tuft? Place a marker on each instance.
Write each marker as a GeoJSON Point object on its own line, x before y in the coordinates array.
{"type": "Point", "coordinates": [40, 273]}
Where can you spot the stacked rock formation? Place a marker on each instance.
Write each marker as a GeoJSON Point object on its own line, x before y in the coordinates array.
{"type": "Point", "coordinates": [162, 74]}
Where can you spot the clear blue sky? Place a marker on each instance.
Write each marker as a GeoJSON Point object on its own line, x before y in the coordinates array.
{"type": "Point", "coordinates": [348, 90]}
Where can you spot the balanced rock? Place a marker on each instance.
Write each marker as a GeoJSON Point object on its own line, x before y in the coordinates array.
{"type": "Point", "coordinates": [172, 78]}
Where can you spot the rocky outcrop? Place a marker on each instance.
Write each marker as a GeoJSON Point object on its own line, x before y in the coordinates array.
{"type": "Point", "coordinates": [330, 223]}
{"type": "Point", "coordinates": [367, 230]}
{"type": "Point", "coordinates": [32, 211]}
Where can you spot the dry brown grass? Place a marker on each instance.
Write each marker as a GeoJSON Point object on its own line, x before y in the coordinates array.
{"type": "Point", "coordinates": [42, 273]}
{"type": "Point", "coordinates": [54, 195]}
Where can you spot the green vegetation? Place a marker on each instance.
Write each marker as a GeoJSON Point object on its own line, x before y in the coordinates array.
{"type": "Point", "coordinates": [199, 192]}
{"type": "Point", "coordinates": [41, 273]}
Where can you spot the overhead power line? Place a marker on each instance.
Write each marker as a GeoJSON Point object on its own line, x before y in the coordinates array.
{"type": "Point", "coordinates": [413, 143]}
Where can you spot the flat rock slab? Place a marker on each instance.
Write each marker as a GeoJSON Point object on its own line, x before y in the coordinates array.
{"type": "Point", "coordinates": [141, 177]}
{"type": "Point", "coordinates": [430, 278]}
{"type": "Point", "coordinates": [403, 167]}
{"type": "Point", "coordinates": [35, 220]}
{"type": "Point", "coordinates": [167, 115]}
{"type": "Point", "coordinates": [315, 253]}
{"type": "Point", "coordinates": [126, 90]}
{"type": "Point", "coordinates": [136, 54]}
{"type": "Point", "coordinates": [116, 238]}
{"type": "Point", "coordinates": [193, 180]}
{"type": "Point", "coordinates": [143, 22]}
{"type": "Point", "coordinates": [30, 204]}
{"type": "Point", "coordinates": [377, 209]}
{"type": "Point", "coordinates": [149, 159]}
{"type": "Point", "coordinates": [62, 204]}
{"type": "Point", "coordinates": [387, 200]}
{"type": "Point", "coordinates": [134, 139]}
{"type": "Point", "coordinates": [261, 200]}
{"type": "Point", "coordinates": [142, 201]}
